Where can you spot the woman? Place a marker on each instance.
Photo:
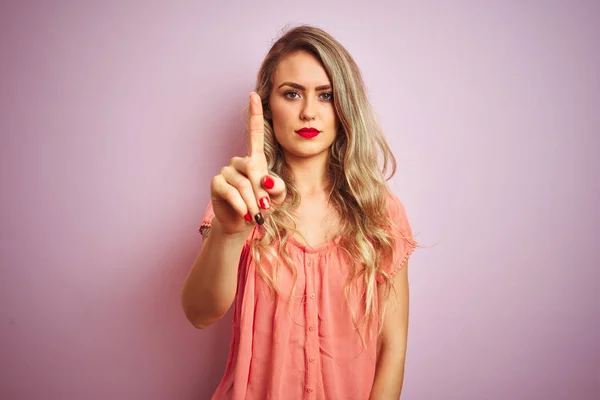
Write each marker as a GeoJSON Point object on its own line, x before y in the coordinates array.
{"type": "Point", "coordinates": [305, 239]}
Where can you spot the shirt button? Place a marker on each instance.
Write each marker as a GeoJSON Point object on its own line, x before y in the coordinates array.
{"type": "Point", "coordinates": [311, 328]}
{"type": "Point", "coordinates": [312, 295]}
{"type": "Point", "coordinates": [311, 359]}
{"type": "Point", "coordinates": [310, 389]}
{"type": "Point", "coordinates": [309, 263]}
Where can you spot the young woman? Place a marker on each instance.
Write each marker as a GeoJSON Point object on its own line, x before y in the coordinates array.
{"type": "Point", "coordinates": [304, 238]}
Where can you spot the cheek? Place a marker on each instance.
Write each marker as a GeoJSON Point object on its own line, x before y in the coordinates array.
{"type": "Point", "coordinates": [279, 124]}
{"type": "Point", "coordinates": [332, 117]}
{"type": "Point", "coordinates": [278, 120]}
{"type": "Point", "coordinates": [279, 111]}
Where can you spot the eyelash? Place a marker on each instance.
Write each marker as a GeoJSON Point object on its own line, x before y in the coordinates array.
{"type": "Point", "coordinates": [290, 92]}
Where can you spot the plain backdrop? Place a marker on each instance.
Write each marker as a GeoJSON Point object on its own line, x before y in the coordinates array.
{"type": "Point", "coordinates": [114, 116]}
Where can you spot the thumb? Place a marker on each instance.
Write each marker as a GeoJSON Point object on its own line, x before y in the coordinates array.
{"type": "Point", "coordinates": [275, 186]}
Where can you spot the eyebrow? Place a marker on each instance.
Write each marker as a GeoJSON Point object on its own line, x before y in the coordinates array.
{"type": "Point", "coordinates": [300, 87]}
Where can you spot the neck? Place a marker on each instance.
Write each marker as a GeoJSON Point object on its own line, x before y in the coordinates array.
{"type": "Point", "coordinates": [310, 174]}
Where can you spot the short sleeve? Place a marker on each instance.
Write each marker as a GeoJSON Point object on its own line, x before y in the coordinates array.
{"type": "Point", "coordinates": [403, 236]}
{"type": "Point", "coordinates": [206, 223]}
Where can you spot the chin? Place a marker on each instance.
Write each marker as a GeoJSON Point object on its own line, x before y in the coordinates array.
{"type": "Point", "coordinates": [306, 153]}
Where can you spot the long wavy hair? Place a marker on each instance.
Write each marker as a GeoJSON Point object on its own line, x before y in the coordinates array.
{"type": "Point", "coordinates": [360, 163]}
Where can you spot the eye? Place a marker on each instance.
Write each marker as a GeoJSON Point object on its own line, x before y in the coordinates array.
{"type": "Point", "coordinates": [327, 96]}
{"type": "Point", "coordinates": [291, 94]}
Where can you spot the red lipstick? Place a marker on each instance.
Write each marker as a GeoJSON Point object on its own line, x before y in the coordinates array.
{"type": "Point", "coordinates": [308, 133]}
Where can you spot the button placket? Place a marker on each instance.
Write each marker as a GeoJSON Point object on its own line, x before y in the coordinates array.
{"type": "Point", "coordinates": [311, 318]}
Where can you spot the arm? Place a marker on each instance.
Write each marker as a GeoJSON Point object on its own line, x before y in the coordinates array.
{"type": "Point", "coordinates": [210, 286]}
{"type": "Point", "coordinates": [391, 351]}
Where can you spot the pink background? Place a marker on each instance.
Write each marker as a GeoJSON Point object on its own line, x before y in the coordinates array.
{"type": "Point", "coordinates": [114, 118]}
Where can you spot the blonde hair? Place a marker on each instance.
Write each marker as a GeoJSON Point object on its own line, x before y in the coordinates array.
{"type": "Point", "coordinates": [360, 163]}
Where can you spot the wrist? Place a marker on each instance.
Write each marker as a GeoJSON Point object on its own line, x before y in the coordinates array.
{"type": "Point", "coordinates": [217, 230]}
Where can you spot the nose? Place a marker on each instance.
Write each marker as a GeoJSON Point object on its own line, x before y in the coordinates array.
{"type": "Point", "coordinates": [308, 111]}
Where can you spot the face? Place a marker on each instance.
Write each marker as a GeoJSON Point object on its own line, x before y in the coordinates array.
{"type": "Point", "coordinates": [301, 103]}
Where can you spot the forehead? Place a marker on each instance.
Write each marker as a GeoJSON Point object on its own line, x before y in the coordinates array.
{"type": "Point", "coordinates": [302, 68]}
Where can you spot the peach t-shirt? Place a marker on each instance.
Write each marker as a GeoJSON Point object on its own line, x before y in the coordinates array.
{"type": "Point", "coordinates": [311, 351]}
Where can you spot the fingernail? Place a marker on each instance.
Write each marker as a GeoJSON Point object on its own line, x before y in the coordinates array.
{"type": "Point", "coordinates": [268, 182]}
{"type": "Point", "coordinates": [264, 203]}
{"type": "Point", "coordinates": [259, 219]}
{"type": "Point", "coordinates": [247, 217]}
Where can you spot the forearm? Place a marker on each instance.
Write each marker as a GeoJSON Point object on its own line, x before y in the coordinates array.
{"type": "Point", "coordinates": [211, 284]}
{"type": "Point", "coordinates": [389, 374]}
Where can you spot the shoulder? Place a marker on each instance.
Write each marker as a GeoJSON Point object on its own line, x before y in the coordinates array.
{"type": "Point", "coordinates": [401, 226]}
{"type": "Point", "coordinates": [395, 207]}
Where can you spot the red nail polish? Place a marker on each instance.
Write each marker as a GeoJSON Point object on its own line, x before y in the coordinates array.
{"type": "Point", "coordinates": [247, 217]}
{"type": "Point", "coordinates": [264, 203]}
{"type": "Point", "coordinates": [268, 182]}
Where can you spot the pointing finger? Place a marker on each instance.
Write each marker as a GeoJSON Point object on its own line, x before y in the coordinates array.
{"type": "Point", "coordinates": [256, 127]}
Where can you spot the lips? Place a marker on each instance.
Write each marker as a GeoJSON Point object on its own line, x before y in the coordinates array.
{"type": "Point", "coordinates": [308, 132]}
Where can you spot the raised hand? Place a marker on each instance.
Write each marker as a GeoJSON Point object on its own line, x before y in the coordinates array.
{"type": "Point", "coordinates": [244, 193]}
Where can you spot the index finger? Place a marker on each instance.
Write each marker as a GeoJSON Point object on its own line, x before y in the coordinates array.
{"type": "Point", "coordinates": [256, 128]}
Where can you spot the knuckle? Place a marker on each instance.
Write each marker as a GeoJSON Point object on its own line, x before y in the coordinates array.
{"type": "Point", "coordinates": [242, 164]}
{"type": "Point", "coordinates": [230, 195]}
{"type": "Point", "coordinates": [245, 185]}
{"type": "Point", "coordinates": [214, 182]}
{"type": "Point", "coordinates": [253, 167]}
